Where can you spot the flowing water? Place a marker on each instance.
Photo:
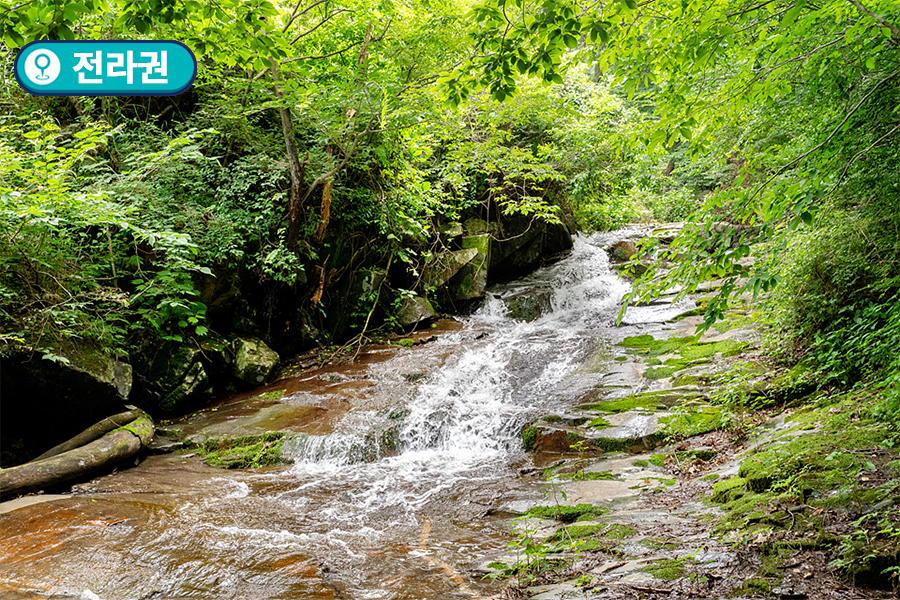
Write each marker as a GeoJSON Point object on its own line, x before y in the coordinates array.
{"type": "Point", "coordinates": [400, 462]}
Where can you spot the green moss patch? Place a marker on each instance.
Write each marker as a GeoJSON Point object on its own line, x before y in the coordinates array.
{"type": "Point", "coordinates": [529, 437]}
{"type": "Point", "coordinates": [641, 463]}
{"type": "Point", "coordinates": [658, 460]}
{"type": "Point", "coordinates": [273, 395]}
{"type": "Point", "coordinates": [722, 489]}
{"type": "Point", "coordinates": [615, 531]}
{"type": "Point", "coordinates": [660, 372]}
{"type": "Point", "coordinates": [589, 475]}
{"type": "Point", "coordinates": [250, 451]}
{"type": "Point", "coordinates": [690, 348]}
{"type": "Point", "coordinates": [567, 514]}
{"type": "Point", "coordinates": [647, 345]}
{"type": "Point", "coordinates": [652, 401]}
{"type": "Point", "coordinates": [695, 420]}
{"type": "Point", "coordinates": [668, 568]}
{"type": "Point", "coordinates": [599, 423]}
{"type": "Point", "coordinates": [752, 587]}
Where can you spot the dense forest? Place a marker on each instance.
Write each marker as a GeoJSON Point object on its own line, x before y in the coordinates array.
{"type": "Point", "coordinates": [334, 157]}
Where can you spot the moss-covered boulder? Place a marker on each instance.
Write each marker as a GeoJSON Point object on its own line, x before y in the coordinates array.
{"type": "Point", "coordinates": [244, 452]}
{"type": "Point", "coordinates": [446, 265]}
{"type": "Point", "coordinates": [470, 281]}
{"type": "Point", "coordinates": [450, 231]}
{"type": "Point", "coordinates": [522, 243]}
{"type": "Point", "coordinates": [254, 362]}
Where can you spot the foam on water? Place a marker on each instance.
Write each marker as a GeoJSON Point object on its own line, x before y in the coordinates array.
{"type": "Point", "coordinates": [469, 415]}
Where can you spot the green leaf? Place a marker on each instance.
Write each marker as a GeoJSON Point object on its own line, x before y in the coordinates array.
{"type": "Point", "coordinates": [791, 15]}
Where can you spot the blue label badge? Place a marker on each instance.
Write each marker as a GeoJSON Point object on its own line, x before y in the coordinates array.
{"type": "Point", "coordinates": [105, 68]}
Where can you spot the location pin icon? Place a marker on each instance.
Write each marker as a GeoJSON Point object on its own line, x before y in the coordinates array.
{"type": "Point", "coordinates": [42, 62]}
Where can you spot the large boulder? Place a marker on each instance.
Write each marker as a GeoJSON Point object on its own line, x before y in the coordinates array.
{"type": "Point", "coordinates": [528, 306]}
{"type": "Point", "coordinates": [471, 279]}
{"type": "Point", "coordinates": [450, 231]}
{"type": "Point", "coordinates": [521, 244]}
{"type": "Point", "coordinates": [175, 378]}
{"type": "Point", "coordinates": [446, 265]}
{"type": "Point", "coordinates": [414, 310]}
{"type": "Point", "coordinates": [254, 362]}
{"type": "Point", "coordinates": [53, 393]}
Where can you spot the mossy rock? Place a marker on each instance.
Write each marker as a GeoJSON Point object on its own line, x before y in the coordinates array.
{"type": "Point", "coordinates": [243, 452]}
{"type": "Point", "coordinates": [681, 380]}
{"type": "Point", "coordinates": [567, 514]}
{"type": "Point", "coordinates": [589, 476]}
{"type": "Point", "coordinates": [795, 383]}
{"type": "Point", "coordinates": [698, 420]}
{"type": "Point", "coordinates": [653, 401]}
{"type": "Point", "coordinates": [529, 438]}
{"type": "Point", "coordinates": [722, 490]}
{"type": "Point", "coordinates": [752, 587]}
{"type": "Point", "coordinates": [667, 568]}
{"type": "Point", "coordinates": [689, 347]}
{"type": "Point", "coordinates": [660, 373]}
{"type": "Point", "coordinates": [607, 530]}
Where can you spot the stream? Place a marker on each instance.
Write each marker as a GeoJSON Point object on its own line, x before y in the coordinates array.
{"type": "Point", "coordinates": [401, 461]}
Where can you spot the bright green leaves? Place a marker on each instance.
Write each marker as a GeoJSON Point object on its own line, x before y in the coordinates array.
{"type": "Point", "coordinates": [791, 15]}
{"type": "Point", "coordinates": [518, 37]}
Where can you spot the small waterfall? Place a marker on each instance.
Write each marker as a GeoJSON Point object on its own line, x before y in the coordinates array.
{"type": "Point", "coordinates": [390, 489]}
{"type": "Point", "coordinates": [475, 408]}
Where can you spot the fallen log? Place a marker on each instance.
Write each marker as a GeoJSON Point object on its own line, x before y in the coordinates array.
{"type": "Point", "coordinates": [93, 432]}
{"type": "Point", "coordinates": [81, 463]}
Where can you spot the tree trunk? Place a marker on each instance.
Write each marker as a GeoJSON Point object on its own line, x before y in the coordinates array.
{"type": "Point", "coordinates": [93, 432]}
{"type": "Point", "coordinates": [297, 175]}
{"type": "Point", "coordinates": [80, 463]}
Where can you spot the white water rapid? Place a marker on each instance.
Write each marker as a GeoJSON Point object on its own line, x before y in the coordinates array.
{"type": "Point", "coordinates": [399, 462]}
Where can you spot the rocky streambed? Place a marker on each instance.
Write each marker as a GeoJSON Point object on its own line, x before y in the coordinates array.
{"type": "Point", "coordinates": [534, 449]}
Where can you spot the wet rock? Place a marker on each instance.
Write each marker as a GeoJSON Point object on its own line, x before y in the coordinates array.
{"type": "Point", "coordinates": [254, 362]}
{"type": "Point", "coordinates": [219, 292]}
{"type": "Point", "coordinates": [471, 279]}
{"type": "Point", "coordinates": [477, 226]}
{"type": "Point", "coordinates": [522, 243]}
{"type": "Point", "coordinates": [626, 432]}
{"type": "Point", "coordinates": [528, 306]}
{"type": "Point", "coordinates": [446, 265]}
{"type": "Point", "coordinates": [556, 591]}
{"type": "Point", "coordinates": [367, 282]}
{"type": "Point", "coordinates": [414, 310]}
{"type": "Point", "coordinates": [622, 251]}
{"type": "Point", "coordinates": [48, 400]}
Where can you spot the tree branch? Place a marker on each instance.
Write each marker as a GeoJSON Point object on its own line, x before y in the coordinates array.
{"type": "Point", "coordinates": [895, 32]}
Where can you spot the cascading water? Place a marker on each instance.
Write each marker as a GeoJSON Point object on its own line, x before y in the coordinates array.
{"type": "Point", "coordinates": [388, 503]}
